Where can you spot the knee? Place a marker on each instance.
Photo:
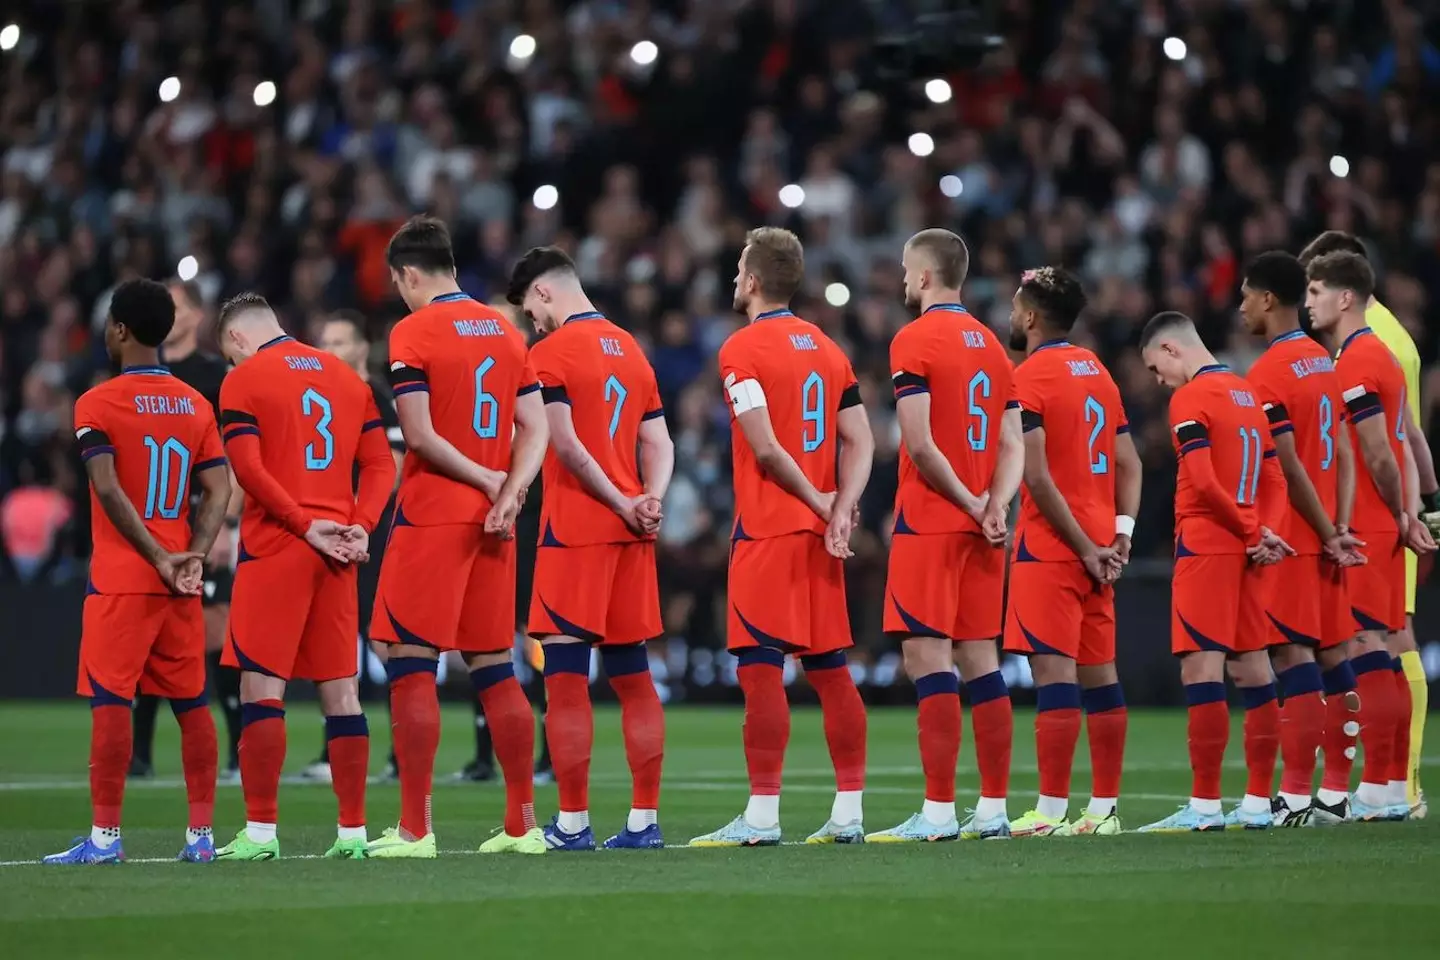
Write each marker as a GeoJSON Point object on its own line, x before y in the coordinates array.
{"type": "Point", "coordinates": [926, 656]}
{"type": "Point", "coordinates": [339, 698]}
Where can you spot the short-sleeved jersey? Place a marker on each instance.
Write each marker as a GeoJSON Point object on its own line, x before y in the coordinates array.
{"type": "Point", "coordinates": [1393, 334]}
{"type": "Point", "coordinates": [1296, 384]}
{"type": "Point", "coordinates": [955, 358]}
{"type": "Point", "coordinates": [804, 380]}
{"type": "Point", "coordinates": [308, 409]}
{"type": "Point", "coordinates": [1066, 391]}
{"type": "Point", "coordinates": [161, 433]}
{"type": "Point", "coordinates": [600, 372]}
{"type": "Point", "coordinates": [1372, 384]}
{"type": "Point", "coordinates": [472, 361]}
{"type": "Point", "coordinates": [1219, 411]}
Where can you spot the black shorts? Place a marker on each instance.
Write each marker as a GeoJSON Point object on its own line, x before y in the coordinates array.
{"type": "Point", "coordinates": [215, 592]}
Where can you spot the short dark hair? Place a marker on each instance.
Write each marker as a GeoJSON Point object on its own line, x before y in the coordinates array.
{"type": "Point", "coordinates": [354, 318]}
{"type": "Point", "coordinates": [777, 261]}
{"type": "Point", "coordinates": [1056, 293]}
{"type": "Point", "coordinates": [1332, 241]}
{"type": "Point", "coordinates": [422, 243]}
{"type": "Point", "coordinates": [1279, 274]}
{"type": "Point", "coordinates": [1344, 271]}
{"type": "Point", "coordinates": [145, 309]}
{"type": "Point", "coordinates": [537, 262]}
{"type": "Point", "coordinates": [189, 290]}
{"type": "Point", "coordinates": [238, 304]}
{"type": "Point", "coordinates": [952, 258]}
{"type": "Point", "coordinates": [1163, 323]}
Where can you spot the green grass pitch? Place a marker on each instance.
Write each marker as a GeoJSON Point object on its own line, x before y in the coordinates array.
{"type": "Point", "coordinates": [1342, 892]}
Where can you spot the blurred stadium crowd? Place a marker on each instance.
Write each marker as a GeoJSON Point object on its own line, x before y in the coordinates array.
{"type": "Point", "coordinates": [274, 146]}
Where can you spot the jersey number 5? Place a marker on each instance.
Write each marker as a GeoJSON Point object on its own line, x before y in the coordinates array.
{"type": "Point", "coordinates": [1095, 414]}
{"type": "Point", "coordinates": [812, 413]}
{"type": "Point", "coordinates": [615, 393]}
{"type": "Point", "coordinates": [486, 419]}
{"type": "Point", "coordinates": [318, 459]}
{"type": "Point", "coordinates": [979, 429]}
{"type": "Point", "coordinates": [158, 497]}
{"type": "Point", "coordinates": [1250, 459]}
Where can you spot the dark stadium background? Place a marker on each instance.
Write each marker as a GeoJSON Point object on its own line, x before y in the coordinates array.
{"type": "Point", "coordinates": [1152, 152]}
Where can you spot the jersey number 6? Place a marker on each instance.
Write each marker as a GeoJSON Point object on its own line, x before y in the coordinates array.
{"type": "Point", "coordinates": [979, 429]}
{"type": "Point", "coordinates": [486, 419]}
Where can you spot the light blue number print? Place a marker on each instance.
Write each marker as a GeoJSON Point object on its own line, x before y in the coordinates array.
{"type": "Point", "coordinates": [1400, 418]}
{"type": "Point", "coordinates": [487, 409]}
{"type": "Point", "coordinates": [978, 431]}
{"type": "Point", "coordinates": [615, 391]}
{"type": "Point", "coordinates": [1327, 430]}
{"type": "Point", "coordinates": [157, 492]}
{"type": "Point", "coordinates": [1095, 413]}
{"type": "Point", "coordinates": [812, 412]}
{"type": "Point", "coordinates": [1250, 457]}
{"type": "Point", "coordinates": [310, 401]}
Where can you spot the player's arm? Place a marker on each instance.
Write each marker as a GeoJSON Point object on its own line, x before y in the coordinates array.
{"type": "Point", "coordinates": [754, 420]}
{"type": "Point", "coordinates": [1270, 494]}
{"type": "Point", "coordinates": [1344, 477]}
{"type": "Point", "coordinates": [657, 454]}
{"type": "Point", "coordinates": [213, 475]}
{"type": "Point", "coordinates": [572, 453]}
{"type": "Point", "coordinates": [1128, 480]}
{"type": "Point", "coordinates": [412, 406]}
{"type": "Point", "coordinates": [1297, 481]}
{"type": "Point", "coordinates": [1368, 416]}
{"type": "Point", "coordinates": [99, 456]}
{"type": "Point", "coordinates": [240, 430]}
{"type": "Point", "coordinates": [857, 451]}
{"type": "Point", "coordinates": [912, 409]}
{"type": "Point", "coordinates": [527, 450]}
{"type": "Point", "coordinates": [1010, 458]}
{"type": "Point", "coordinates": [377, 471]}
{"type": "Point", "coordinates": [1046, 496]}
{"type": "Point", "coordinates": [1194, 438]}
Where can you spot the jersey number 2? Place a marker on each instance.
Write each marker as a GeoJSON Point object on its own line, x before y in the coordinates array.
{"type": "Point", "coordinates": [979, 429]}
{"type": "Point", "coordinates": [812, 413]}
{"type": "Point", "coordinates": [615, 393]}
{"type": "Point", "coordinates": [1250, 458]}
{"type": "Point", "coordinates": [158, 497]}
{"type": "Point", "coordinates": [318, 457]}
{"type": "Point", "coordinates": [1095, 414]}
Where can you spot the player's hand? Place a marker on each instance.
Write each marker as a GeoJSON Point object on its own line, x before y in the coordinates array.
{"type": "Point", "coordinates": [500, 521]}
{"type": "Point", "coordinates": [827, 505]}
{"type": "Point", "coordinates": [520, 497]}
{"type": "Point", "coordinates": [1103, 564]}
{"type": "Point", "coordinates": [356, 541]}
{"type": "Point", "coordinates": [992, 523]}
{"type": "Point", "coordinates": [837, 533]}
{"type": "Point", "coordinates": [1418, 537]}
{"type": "Point", "coordinates": [1121, 546]}
{"type": "Point", "coordinates": [492, 482]}
{"type": "Point", "coordinates": [1343, 549]}
{"type": "Point", "coordinates": [191, 579]}
{"type": "Point", "coordinates": [1270, 549]}
{"type": "Point", "coordinates": [977, 507]}
{"type": "Point", "coordinates": [649, 512]}
{"type": "Point", "coordinates": [328, 539]}
{"type": "Point", "coordinates": [182, 572]}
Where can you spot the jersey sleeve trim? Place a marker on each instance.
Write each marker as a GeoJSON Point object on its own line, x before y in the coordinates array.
{"type": "Point", "coordinates": [375, 424]}
{"type": "Point", "coordinates": [653, 414]}
{"type": "Point", "coordinates": [407, 379]}
{"type": "Point", "coordinates": [1012, 404]}
{"type": "Point", "coordinates": [92, 442]}
{"type": "Point", "coordinates": [528, 389]}
{"type": "Point", "coordinates": [850, 397]}
{"type": "Point", "coordinates": [1030, 420]}
{"type": "Point", "coordinates": [1192, 436]}
{"type": "Point", "coordinates": [909, 384]}
{"type": "Point", "coordinates": [1362, 403]}
{"type": "Point", "coordinates": [1123, 428]}
{"type": "Point", "coordinates": [556, 394]}
{"type": "Point", "coordinates": [210, 464]}
{"type": "Point", "coordinates": [1279, 419]}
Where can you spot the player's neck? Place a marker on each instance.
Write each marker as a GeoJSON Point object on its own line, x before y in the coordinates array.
{"type": "Point", "coordinates": [1281, 325]}
{"type": "Point", "coordinates": [935, 298]}
{"type": "Point", "coordinates": [572, 305]}
{"type": "Point", "coordinates": [432, 287]}
{"type": "Point", "coordinates": [757, 310]}
{"type": "Point", "coordinates": [1197, 361]}
{"type": "Point", "coordinates": [1036, 338]}
{"type": "Point", "coordinates": [1350, 322]}
{"type": "Point", "coordinates": [138, 356]}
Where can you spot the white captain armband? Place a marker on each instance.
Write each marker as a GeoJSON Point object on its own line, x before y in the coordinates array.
{"type": "Point", "coordinates": [1124, 526]}
{"type": "Point", "coordinates": [746, 395]}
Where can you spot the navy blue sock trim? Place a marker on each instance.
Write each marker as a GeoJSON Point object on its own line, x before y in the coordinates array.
{"type": "Point", "coordinates": [567, 658]}
{"type": "Point", "coordinates": [255, 712]}
{"type": "Point", "coordinates": [831, 661]}
{"type": "Point", "coordinates": [1399, 667]}
{"type": "Point", "coordinates": [1370, 662]}
{"type": "Point", "coordinates": [397, 667]}
{"type": "Point", "coordinates": [107, 699]}
{"type": "Point", "coordinates": [1099, 699]}
{"type": "Point", "coordinates": [1197, 694]}
{"type": "Point", "coordinates": [486, 677]}
{"type": "Point", "coordinates": [760, 656]}
{"type": "Point", "coordinates": [935, 684]}
{"type": "Point", "coordinates": [986, 688]}
{"type": "Point", "coordinates": [1057, 696]}
{"type": "Point", "coordinates": [1301, 679]}
{"type": "Point", "coordinates": [178, 707]}
{"type": "Point", "coordinates": [1256, 697]}
{"type": "Point", "coordinates": [352, 725]}
{"type": "Point", "coordinates": [1339, 679]}
{"type": "Point", "coordinates": [625, 661]}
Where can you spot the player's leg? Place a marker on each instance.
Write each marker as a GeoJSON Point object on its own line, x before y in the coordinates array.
{"type": "Point", "coordinates": [1251, 674]}
{"type": "Point", "coordinates": [1419, 687]}
{"type": "Point", "coordinates": [1410, 719]}
{"type": "Point", "coordinates": [1302, 729]}
{"type": "Point", "coordinates": [1378, 596]}
{"type": "Point", "coordinates": [176, 670]}
{"type": "Point", "coordinates": [143, 716]}
{"type": "Point", "coordinates": [225, 680]}
{"type": "Point", "coordinates": [1106, 718]}
{"type": "Point", "coordinates": [978, 625]}
{"type": "Point", "coordinates": [1342, 703]}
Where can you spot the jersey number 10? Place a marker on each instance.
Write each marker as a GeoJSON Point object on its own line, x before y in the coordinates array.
{"type": "Point", "coordinates": [158, 495]}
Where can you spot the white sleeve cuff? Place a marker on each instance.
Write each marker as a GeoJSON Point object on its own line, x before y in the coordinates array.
{"type": "Point", "coordinates": [1124, 526]}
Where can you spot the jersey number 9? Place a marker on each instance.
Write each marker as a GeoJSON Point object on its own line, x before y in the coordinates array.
{"type": "Point", "coordinates": [812, 413]}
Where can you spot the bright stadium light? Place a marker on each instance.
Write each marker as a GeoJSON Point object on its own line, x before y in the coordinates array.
{"type": "Point", "coordinates": [264, 93]}
{"type": "Point", "coordinates": [546, 196]}
{"type": "Point", "coordinates": [1174, 48]}
{"type": "Point", "coordinates": [792, 195]}
{"type": "Point", "coordinates": [837, 294]}
{"type": "Point", "coordinates": [188, 268]}
{"type": "Point", "coordinates": [1339, 166]}
{"type": "Point", "coordinates": [9, 36]}
{"type": "Point", "coordinates": [522, 47]}
{"type": "Point", "coordinates": [169, 89]}
{"type": "Point", "coordinates": [644, 52]}
{"type": "Point", "coordinates": [922, 144]}
{"type": "Point", "coordinates": [938, 90]}
{"type": "Point", "coordinates": [951, 185]}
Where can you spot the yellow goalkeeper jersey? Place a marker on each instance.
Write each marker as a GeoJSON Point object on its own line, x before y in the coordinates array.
{"type": "Point", "coordinates": [1394, 335]}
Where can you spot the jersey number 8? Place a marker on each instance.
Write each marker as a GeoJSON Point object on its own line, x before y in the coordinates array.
{"type": "Point", "coordinates": [158, 497]}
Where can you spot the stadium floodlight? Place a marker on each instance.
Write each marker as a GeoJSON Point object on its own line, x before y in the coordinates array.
{"type": "Point", "coordinates": [169, 89]}
{"type": "Point", "coordinates": [1174, 48]}
{"type": "Point", "coordinates": [837, 294]}
{"type": "Point", "coordinates": [1339, 166]}
{"type": "Point", "coordinates": [951, 185]}
{"type": "Point", "coordinates": [922, 144]}
{"type": "Point", "coordinates": [792, 195]}
{"type": "Point", "coordinates": [644, 52]}
{"type": "Point", "coordinates": [9, 36]}
{"type": "Point", "coordinates": [264, 93]}
{"type": "Point", "coordinates": [938, 90]}
{"type": "Point", "coordinates": [188, 268]}
{"type": "Point", "coordinates": [546, 196]}
{"type": "Point", "coordinates": [522, 48]}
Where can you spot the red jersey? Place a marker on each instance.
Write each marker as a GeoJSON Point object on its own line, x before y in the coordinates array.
{"type": "Point", "coordinates": [160, 433]}
{"type": "Point", "coordinates": [804, 380]}
{"type": "Point", "coordinates": [1218, 411]}
{"type": "Point", "coordinates": [1297, 387]}
{"type": "Point", "coordinates": [1065, 390]}
{"type": "Point", "coordinates": [955, 358]}
{"type": "Point", "coordinates": [600, 372]}
{"type": "Point", "coordinates": [1372, 384]}
{"type": "Point", "coordinates": [472, 361]}
{"type": "Point", "coordinates": [296, 421]}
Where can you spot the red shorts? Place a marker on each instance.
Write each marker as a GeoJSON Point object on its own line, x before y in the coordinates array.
{"type": "Point", "coordinates": [146, 642]}
{"type": "Point", "coordinates": [787, 593]}
{"type": "Point", "coordinates": [1217, 603]}
{"type": "Point", "coordinates": [603, 593]}
{"type": "Point", "coordinates": [449, 587]}
{"type": "Point", "coordinates": [1309, 604]}
{"type": "Point", "coordinates": [1055, 608]}
{"type": "Point", "coordinates": [294, 615]}
{"type": "Point", "coordinates": [948, 585]}
{"type": "Point", "coordinates": [1377, 589]}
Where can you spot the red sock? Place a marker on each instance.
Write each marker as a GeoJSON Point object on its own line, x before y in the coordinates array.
{"type": "Point", "coordinates": [415, 729]}
{"type": "Point", "coordinates": [1342, 726]}
{"type": "Point", "coordinates": [1262, 738]}
{"type": "Point", "coordinates": [1400, 752]}
{"type": "Point", "coordinates": [1209, 733]}
{"type": "Point", "coordinates": [1106, 720]}
{"type": "Point", "coordinates": [767, 722]}
{"type": "Point", "coordinates": [643, 720]}
{"type": "Point", "coordinates": [348, 740]}
{"type": "Point", "coordinates": [845, 721]}
{"type": "Point", "coordinates": [1057, 730]}
{"type": "Point", "coordinates": [993, 721]}
{"type": "Point", "coordinates": [262, 755]}
{"type": "Point", "coordinates": [512, 724]}
{"type": "Point", "coordinates": [111, 739]}
{"type": "Point", "coordinates": [939, 723]}
{"type": "Point", "coordinates": [199, 757]}
{"type": "Point", "coordinates": [1302, 732]}
{"type": "Point", "coordinates": [570, 727]}
{"type": "Point", "coordinates": [1377, 719]}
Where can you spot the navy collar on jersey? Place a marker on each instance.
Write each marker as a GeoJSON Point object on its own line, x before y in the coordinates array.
{"type": "Point", "coordinates": [947, 307]}
{"type": "Point", "coordinates": [1212, 368]}
{"type": "Point", "coordinates": [452, 297]}
{"type": "Point", "coordinates": [772, 314]}
{"type": "Point", "coordinates": [1058, 342]}
{"type": "Point", "coordinates": [1289, 335]}
{"type": "Point", "coordinates": [586, 315]}
{"type": "Point", "coordinates": [147, 368]}
{"type": "Point", "coordinates": [1358, 333]}
{"type": "Point", "coordinates": [278, 340]}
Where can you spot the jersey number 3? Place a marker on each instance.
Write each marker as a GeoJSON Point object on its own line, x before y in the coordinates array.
{"type": "Point", "coordinates": [318, 456]}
